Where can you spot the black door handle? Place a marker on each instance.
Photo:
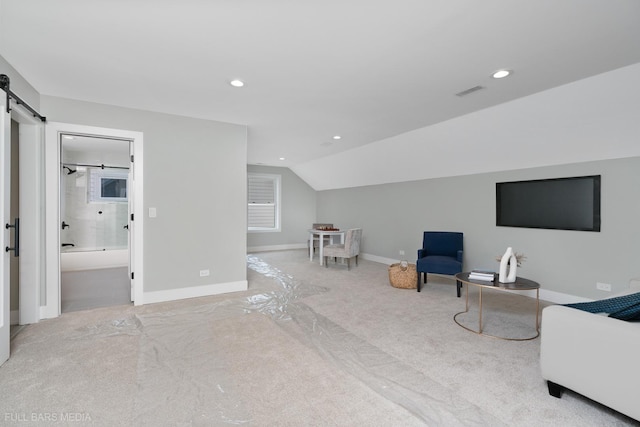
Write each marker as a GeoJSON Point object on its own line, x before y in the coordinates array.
{"type": "Point", "coordinates": [65, 225]}
{"type": "Point", "coordinates": [16, 237]}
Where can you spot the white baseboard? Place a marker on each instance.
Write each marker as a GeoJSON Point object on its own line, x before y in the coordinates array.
{"type": "Point", "coordinates": [48, 312]}
{"type": "Point", "coordinates": [369, 257]}
{"type": "Point", "coordinates": [175, 294]}
{"type": "Point", "coordinates": [194, 292]}
{"type": "Point", "coordinates": [376, 258]}
{"type": "Point", "coordinates": [551, 296]}
{"type": "Point", "coordinates": [277, 247]}
{"type": "Point", "coordinates": [560, 298]}
{"type": "Point", "coordinates": [545, 294]}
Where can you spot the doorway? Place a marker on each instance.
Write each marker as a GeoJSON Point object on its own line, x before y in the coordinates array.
{"type": "Point", "coordinates": [27, 207]}
{"type": "Point", "coordinates": [22, 216]}
{"type": "Point", "coordinates": [94, 209]}
{"type": "Point", "coordinates": [98, 249]}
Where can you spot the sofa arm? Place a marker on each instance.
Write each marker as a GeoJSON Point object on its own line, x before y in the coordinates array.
{"type": "Point", "coordinates": [593, 355]}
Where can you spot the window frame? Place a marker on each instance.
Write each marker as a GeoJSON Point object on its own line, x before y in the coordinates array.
{"type": "Point", "coordinates": [94, 187]}
{"type": "Point", "coordinates": [277, 188]}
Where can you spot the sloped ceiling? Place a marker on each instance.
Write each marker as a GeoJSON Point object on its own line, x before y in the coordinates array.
{"type": "Point", "coordinates": [592, 119]}
{"type": "Point", "coordinates": [368, 70]}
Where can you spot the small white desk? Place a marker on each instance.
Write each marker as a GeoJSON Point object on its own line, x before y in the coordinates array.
{"type": "Point", "coordinates": [321, 234]}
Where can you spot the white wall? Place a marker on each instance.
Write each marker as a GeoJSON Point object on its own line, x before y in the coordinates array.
{"type": "Point", "coordinates": [443, 177]}
{"type": "Point", "coordinates": [195, 176]}
{"type": "Point", "coordinates": [393, 217]}
{"type": "Point", "coordinates": [202, 224]}
{"type": "Point", "coordinates": [298, 212]}
{"type": "Point", "coordinates": [19, 85]}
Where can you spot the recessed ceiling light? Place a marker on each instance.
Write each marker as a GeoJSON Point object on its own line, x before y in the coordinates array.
{"type": "Point", "coordinates": [236, 83]}
{"type": "Point", "coordinates": [281, 158]}
{"type": "Point", "coordinates": [337, 137]}
{"type": "Point", "coordinates": [500, 74]}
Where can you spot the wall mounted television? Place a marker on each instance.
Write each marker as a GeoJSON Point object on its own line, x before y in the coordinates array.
{"type": "Point", "coordinates": [559, 203]}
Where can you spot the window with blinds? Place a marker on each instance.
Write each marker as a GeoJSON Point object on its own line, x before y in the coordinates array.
{"type": "Point", "coordinates": [263, 212]}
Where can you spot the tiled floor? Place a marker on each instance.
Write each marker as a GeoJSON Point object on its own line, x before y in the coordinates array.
{"type": "Point", "coordinates": [82, 290]}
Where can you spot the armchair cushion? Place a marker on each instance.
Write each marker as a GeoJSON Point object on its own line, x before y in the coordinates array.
{"type": "Point", "coordinates": [441, 253]}
{"type": "Point", "coordinates": [439, 264]}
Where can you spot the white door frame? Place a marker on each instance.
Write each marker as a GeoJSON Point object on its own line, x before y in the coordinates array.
{"type": "Point", "coordinates": [5, 201]}
{"type": "Point", "coordinates": [52, 203]}
{"type": "Point", "coordinates": [31, 214]}
{"type": "Point", "coordinates": [131, 191]}
{"type": "Point", "coordinates": [31, 153]}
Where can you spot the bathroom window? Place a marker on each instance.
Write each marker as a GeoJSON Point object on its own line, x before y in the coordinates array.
{"type": "Point", "coordinates": [108, 185]}
{"type": "Point", "coordinates": [263, 211]}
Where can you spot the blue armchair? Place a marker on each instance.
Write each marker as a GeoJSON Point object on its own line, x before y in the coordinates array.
{"type": "Point", "coordinates": [441, 253]}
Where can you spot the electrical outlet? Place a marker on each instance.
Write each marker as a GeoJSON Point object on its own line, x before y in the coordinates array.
{"type": "Point", "coordinates": [204, 273]}
{"type": "Point", "coordinates": [401, 252]}
{"type": "Point", "coordinates": [603, 286]}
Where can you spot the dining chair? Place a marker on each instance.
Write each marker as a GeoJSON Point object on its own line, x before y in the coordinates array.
{"type": "Point", "coordinates": [347, 250]}
{"type": "Point", "coordinates": [316, 239]}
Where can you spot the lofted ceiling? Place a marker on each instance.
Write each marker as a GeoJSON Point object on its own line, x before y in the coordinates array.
{"type": "Point", "coordinates": [366, 70]}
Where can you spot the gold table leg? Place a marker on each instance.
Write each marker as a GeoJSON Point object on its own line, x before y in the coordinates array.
{"type": "Point", "coordinates": [480, 311]}
{"type": "Point", "coordinates": [479, 331]}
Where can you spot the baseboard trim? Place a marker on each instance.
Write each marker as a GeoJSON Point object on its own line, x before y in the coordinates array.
{"type": "Point", "coordinates": [277, 247]}
{"type": "Point", "coordinates": [194, 292]}
{"type": "Point", "coordinates": [368, 257]}
{"type": "Point", "coordinates": [48, 312]}
{"type": "Point", "coordinates": [376, 258]}
{"type": "Point", "coordinates": [560, 298]}
{"type": "Point", "coordinates": [545, 294]}
{"type": "Point", "coordinates": [551, 296]}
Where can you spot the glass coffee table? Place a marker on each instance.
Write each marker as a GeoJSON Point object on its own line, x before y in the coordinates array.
{"type": "Point", "coordinates": [521, 284]}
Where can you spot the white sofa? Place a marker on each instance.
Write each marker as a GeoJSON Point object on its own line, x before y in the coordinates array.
{"type": "Point", "coordinates": [592, 354]}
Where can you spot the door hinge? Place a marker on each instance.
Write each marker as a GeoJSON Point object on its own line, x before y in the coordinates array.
{"type": "Point", "coordinates": [132, 158]}
{"type": "Point", "coordinates": [131, 217]}
{"type": "Point", "coordinates": [132, 275]}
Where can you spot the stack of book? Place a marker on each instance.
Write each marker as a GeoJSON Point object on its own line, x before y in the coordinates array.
{"type": "Point", "coordinates": [485, 275]}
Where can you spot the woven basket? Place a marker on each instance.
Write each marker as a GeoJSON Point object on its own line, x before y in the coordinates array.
{"type": "Point", "coordinates": [404, 278]}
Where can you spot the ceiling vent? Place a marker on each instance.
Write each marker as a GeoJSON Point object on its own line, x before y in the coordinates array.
{"type": "Point", "coordinates": [469, 91]}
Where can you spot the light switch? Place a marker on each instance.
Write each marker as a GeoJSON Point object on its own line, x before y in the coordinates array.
{"type": "Point", "coordinates": [152, 213]}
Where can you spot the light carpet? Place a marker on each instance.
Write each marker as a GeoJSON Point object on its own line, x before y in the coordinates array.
{"type": "Point", "coordinates": [306, 345]}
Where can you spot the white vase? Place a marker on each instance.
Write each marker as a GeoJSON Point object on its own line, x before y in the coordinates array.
{"type": "Point", "coordinates": [508, 265]}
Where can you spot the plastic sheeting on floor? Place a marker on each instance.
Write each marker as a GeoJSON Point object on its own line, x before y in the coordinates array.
{"type": "Point", "coordinates": [426, 399]}
{"type": "Point", "coordinates": [175, 343]}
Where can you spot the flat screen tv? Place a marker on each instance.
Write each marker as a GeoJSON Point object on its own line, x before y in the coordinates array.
{"type": "Point", "coordinates": [559, 203]}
